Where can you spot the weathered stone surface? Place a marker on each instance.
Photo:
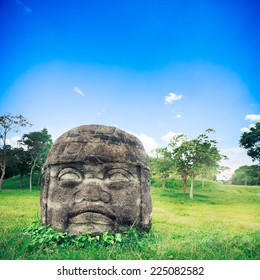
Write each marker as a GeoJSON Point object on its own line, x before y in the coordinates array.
{"type": "Point", "coordinates": [96, 179]}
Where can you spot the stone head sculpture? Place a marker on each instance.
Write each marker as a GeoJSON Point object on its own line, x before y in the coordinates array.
{"type": "Point", "coordinates": [96, 179]}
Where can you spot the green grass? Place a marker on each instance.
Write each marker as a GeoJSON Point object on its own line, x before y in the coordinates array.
{"type": "Point", "coordinates": [14, 182]}
{"type": "Point", "coordinates": [220, 223]}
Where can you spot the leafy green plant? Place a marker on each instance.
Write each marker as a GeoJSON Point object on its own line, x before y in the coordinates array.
{"type": "Point", "coordinates": [111, 238]}
{"type": "Point", "coordinates": [45, 236]}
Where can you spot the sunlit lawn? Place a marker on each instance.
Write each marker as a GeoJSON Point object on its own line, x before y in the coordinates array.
{"type": "Point", "coordinates": [221, 222]}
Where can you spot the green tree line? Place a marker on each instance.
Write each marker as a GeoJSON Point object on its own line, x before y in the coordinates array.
{"type": "Point", "coordinates": [249, 175]}
{"type": "Point", "coordinates": [246, 175]}
{"type": "Point", "coordinates": [30, 154]}
{"type": "Point", "coordinates": [186, 158]}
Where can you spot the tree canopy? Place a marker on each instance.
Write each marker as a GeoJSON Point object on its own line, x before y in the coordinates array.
{"type": "Point", "coordinates": [37, 144]}
{"type": "Point", "coordinates": [190, 158]}
{"type": "Point", "coordinates": [8, 123]}
{"type": "Point", "coordinates": [251, 142]}
{"type": "Point", "coordinates": [161, 165]}
{"type": "Point", "coordinates": [246, 175]}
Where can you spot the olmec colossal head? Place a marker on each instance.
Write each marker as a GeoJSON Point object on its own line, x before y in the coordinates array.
{"type": "Point", "coordinates": [96, 179]}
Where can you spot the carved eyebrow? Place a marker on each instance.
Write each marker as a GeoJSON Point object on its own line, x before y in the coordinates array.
{"type": "Point", "coordinates": [76, 175]}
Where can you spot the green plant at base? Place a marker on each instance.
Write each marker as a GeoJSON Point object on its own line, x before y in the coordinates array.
{"type": "Point", "coordinates": [45, 236]}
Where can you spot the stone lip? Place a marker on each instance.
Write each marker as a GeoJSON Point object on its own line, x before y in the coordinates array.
{"type": "Point", "coordinates": [82, 208]}
{"type": "Point", "coordinates": [91, 222]}
{"type": "Point", "coordinates": [91, 218]}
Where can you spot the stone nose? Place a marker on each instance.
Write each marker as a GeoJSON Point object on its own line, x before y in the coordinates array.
{"type": "Point", "coordinates": [92, 191]}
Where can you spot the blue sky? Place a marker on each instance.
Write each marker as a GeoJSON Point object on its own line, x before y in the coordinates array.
{"type": "Point", "coordinates": [153, 68]}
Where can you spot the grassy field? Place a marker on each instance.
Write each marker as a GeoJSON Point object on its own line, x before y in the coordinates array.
{"type": "Point", "coordinates": [220, 223]}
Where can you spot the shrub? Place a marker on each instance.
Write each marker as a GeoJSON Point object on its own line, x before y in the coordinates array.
{"type": "Point", "coordinates": [45, 236]}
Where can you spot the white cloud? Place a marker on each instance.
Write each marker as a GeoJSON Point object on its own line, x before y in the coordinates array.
{"type": "Point", "coordinates": [172, 97]}
{"type": "Point", "coordinates": [27, 10]}
{"type": "Point", "coordinates": [79, 91]}
{"type": "Point", "coordinates": [167, 137]}
{"type": "Point", "coordinates": [252, 117]}
{"type": "Point", "coordinates": [247, 129]}
{"type": "Point", "coordinates": [13, 141]}
{"type": "Point", "coordinates": [244, 129]}
{"type": "Point", "coordinates": [178, 116]}
{"type": "Point", "coordinates": [236, 157]}
{"type": "Point", "coordinates": [148, 142]}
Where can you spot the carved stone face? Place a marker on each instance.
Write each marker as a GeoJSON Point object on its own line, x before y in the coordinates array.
{"type": "Point", "coordinates": [96, 179]}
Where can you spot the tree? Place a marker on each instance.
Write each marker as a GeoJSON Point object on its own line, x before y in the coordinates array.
{"type": "Point", "coordinates": [191, 155]}
{"type": "Point", "coordinates": [204, 156]}
{"type": "Point", "coordinates": [211, 158]}
{"type": "Point", "coordinates": [194, 157]}
{"type": "Point", "coordinates": [17, 163]}
{"type": "Point", "coordinates": [37, 145]}
{"type": "Point", "coordinates": [251, 142]}
{"type": "Point", "coordinates": [161, 165]}
{"type": "Point", "coordinates": [10, 169]}
{"type": "Point", "coordinates": [246, 175]}
{"type": "Point", "coordinates": [22, 162]}
{"type": "Point", "coordinates": [8, 123]}
{"type": "Point", "coordinates": [176, 152]}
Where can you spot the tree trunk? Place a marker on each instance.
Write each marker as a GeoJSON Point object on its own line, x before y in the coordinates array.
{"type": "Point", "coordinates": [21, 181]}
{"type": "Point", "coordinates": [163, 182]}
{"type": "Point", "coordinates": [184, 183]}
{"type": "Point", "coordinates": [203, 182]}
{"type": "Point", "coordinates": [39, 179]}
{"type": "Point", "coordinates": [3, 167]}
{"type": "Point", "coordinates": [31, 173]}
{"type": "Point", "coordinates": [3, 163]}
{"type": "Point", "coordinates": [192, 186]}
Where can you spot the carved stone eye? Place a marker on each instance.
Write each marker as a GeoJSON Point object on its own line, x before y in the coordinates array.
{"type": "Point", "coordinates": [69, 174]}
{"type": "Point", "coordinates": [118, 175]}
